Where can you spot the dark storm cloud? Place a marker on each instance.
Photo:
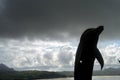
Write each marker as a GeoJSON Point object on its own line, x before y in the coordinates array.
{"type": "Point", "coordinates": [58, 18]}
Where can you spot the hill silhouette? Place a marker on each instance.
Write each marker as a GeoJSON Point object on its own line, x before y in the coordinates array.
{"type": "Point", "coordinates": [3, 67]}
{"type": "Point", "coordinates": [7, 73]}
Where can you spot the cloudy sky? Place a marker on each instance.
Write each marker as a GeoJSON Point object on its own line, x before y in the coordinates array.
{"type": "Point", "coordinates": [44, 34]}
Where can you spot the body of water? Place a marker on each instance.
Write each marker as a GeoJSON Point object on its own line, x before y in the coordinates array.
{"type": "Point", "coordinates": [94, 78]}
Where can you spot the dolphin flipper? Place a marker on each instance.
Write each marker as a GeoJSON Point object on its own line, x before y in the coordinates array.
{"type": "Point", "coordinates": [99, 58]}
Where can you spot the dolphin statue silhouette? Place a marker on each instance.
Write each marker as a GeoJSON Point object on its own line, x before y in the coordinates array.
{"type": "Point", "coordinates": [86, 53]}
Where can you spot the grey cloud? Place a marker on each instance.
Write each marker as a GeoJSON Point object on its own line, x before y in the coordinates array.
{"type": "Point", "coordinates": [56, 18]}
{"type": "Point", "coordinates": [25, 54]}
{"type": "Point", "coordinates": [29, 55]}
{"type": "Point", "coordinates": [66, 56]}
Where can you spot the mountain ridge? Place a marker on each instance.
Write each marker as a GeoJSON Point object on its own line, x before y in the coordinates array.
{"type": "Point", "coordinates": [3, 67]}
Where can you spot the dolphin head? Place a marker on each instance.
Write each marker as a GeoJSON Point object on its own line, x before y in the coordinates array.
{"type": "Point", "coordinates": [99, 29]}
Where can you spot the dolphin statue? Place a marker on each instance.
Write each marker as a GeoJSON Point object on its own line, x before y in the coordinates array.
{"type": "Point", "coordinates": [86, 53]}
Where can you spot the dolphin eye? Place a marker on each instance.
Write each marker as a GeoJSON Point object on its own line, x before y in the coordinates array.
{"type": "Point", "coordinates": [81, 61]}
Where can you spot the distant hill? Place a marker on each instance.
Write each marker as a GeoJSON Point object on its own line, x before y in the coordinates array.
{"type": "Point", "coordinates": [108, 71]}
{"type": "Point", "coordinates": [5, 74]}
{"type": "Point", "coordinates": [3, 67]}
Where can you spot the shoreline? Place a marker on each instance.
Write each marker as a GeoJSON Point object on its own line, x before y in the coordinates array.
{"type": "Point", "coordinates": [71, 78]}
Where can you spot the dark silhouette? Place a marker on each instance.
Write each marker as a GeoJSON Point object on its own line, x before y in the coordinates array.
{"type": "Point", "coordinates": [119, 60]}
{"type": "Point", "coordinates": [4, 68]}
{"type": "Point", "coordinates": [86, 53]}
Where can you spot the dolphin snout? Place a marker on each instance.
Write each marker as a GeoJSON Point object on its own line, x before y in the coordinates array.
{"type": "Point", "coordinates": [100, 28]}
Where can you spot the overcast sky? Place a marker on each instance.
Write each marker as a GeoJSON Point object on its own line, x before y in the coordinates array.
{"type": "Point", "coordinates": [44, 34]}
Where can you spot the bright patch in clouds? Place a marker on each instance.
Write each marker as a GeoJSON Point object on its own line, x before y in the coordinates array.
{"type": "Point", "coordinates": [48, 55]}
{"type": "Point", "coordinates": [111, 53]}
{"type": "Point", "coordinates": [26, 53]}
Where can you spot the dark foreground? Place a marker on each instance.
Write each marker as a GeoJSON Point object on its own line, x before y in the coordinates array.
{"type": "Point", "coordinates": [32, 75]}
